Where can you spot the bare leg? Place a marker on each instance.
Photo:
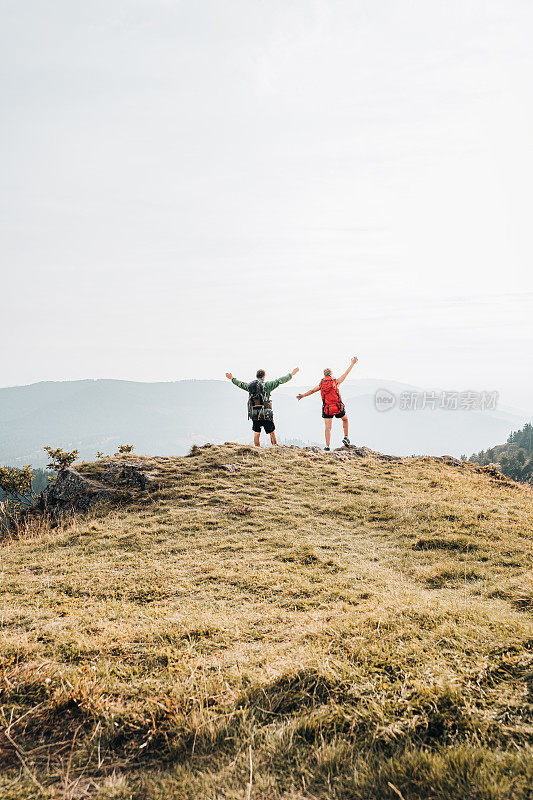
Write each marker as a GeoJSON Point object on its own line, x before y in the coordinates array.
{"type": "Point", "coordinates": [345, 424]}
{"type": "Point", "coordinates": [273, 438]}
{"type": "Point", "coordinates": [256, 439]}
{"type": "Point", "coordinates": [327, 432]}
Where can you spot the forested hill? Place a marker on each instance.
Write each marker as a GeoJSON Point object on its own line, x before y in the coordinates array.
{"type": "Point", "coordinates": [514, 458]}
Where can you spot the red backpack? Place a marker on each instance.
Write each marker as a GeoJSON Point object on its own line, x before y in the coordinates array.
{"type": "Point", "coordinates": [331, 399]}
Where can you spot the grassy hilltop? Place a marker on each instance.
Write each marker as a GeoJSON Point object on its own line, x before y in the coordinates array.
{"type": "Point", "coordinates": [274, 624]}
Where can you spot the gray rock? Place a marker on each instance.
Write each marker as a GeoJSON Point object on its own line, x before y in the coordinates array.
{"type": "Point", "coordinates": [72, 492]}
{"type": "Point", "coordinates": [127, 474]}
{"type": "Point", "coordinates": [364, 452]}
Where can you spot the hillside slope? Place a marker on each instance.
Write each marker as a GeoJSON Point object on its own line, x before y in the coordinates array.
{"type": "Point", "coordinates": [274, 624]}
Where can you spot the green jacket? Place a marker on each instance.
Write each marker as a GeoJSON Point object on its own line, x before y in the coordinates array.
{"type": "Point", "coordinates": [269, 385]}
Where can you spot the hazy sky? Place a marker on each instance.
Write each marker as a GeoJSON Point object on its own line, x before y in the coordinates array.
{"type": "Point", "coordinates": [189, 187]}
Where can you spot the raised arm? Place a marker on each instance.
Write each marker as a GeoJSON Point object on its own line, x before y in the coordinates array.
{"type": "Point", "coordinates": [345, 374]}
{"type": "Point", "coordinates": [271, 385]}
{"type": "Point", "coordinates": [240, 384]}
{"type": "Point", "coordinates": [306, 394]}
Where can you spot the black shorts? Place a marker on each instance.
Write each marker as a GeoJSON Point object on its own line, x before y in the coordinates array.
{"type": "Point", "coordinates": [340, 415]}
{"type": "Point", "coordinates": [267, 424]}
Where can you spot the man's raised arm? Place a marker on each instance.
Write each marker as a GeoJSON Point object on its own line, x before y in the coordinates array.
{"type": "Point", "coordinates": [271, 385]}
{"type": "Point", "coordinates": [240, 384]}
{"type": "Point", "coordinates": [352, 365]}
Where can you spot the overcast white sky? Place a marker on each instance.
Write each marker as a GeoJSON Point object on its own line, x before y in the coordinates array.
{"type": "Point", "coordinates": [189, 187]}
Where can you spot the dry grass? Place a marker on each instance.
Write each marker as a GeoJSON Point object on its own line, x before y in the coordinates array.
{"type": "Point", "coordinates": [275, 624]}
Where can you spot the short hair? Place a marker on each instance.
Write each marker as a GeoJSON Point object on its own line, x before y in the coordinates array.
{"type": "Point", "coordinates": [260, 374]}
{"type": "Point", "coordinates": [327, 372]}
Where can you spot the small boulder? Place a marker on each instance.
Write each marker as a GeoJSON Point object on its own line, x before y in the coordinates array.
{"type": "Point", "coordinates": [127, 474]}
{"type": "Point", "coordinates": [71, 491]}
{"type": "Point", "coordinates": [365, 452]}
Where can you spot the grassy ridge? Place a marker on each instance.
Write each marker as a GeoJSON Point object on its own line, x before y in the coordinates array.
{"type": "Point", "coordinates": [275, 624]}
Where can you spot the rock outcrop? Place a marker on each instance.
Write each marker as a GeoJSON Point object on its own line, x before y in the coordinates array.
{"type": "Point", "coordinates": [127, 474]}
{"type": "Point", "coordinates": [364, 452]}
{"type": "Point", "coordinates": [71, 491]}
{"type": "Point", "coordinates": [351, 452]}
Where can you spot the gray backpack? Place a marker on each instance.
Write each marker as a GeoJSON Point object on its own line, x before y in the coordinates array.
{"type": "Point", "coordinates": [259, 406]}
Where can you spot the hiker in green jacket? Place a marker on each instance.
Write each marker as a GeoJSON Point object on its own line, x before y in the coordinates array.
{"type": "Point", "coordinates": [259, 403]}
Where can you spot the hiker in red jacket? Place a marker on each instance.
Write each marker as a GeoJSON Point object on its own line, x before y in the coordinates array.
{"type": "Point", "coordinates": [332, 405]}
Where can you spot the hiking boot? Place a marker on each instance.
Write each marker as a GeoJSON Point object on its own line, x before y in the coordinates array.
{"type": "Point", "coordinates": [346, 441]}
{"type": "Point", "coordinates": [326, 449]}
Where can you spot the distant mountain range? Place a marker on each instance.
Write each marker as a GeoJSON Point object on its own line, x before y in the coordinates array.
{"type": "Point", "coordinates": [167, 418]}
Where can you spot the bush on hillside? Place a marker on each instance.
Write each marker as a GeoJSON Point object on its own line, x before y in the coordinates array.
{"type": "Point", "coordinates": [124, 448]}
{"type": "Point", "coordinates": [60, 459]}
{"type": "Point", "coordinates": [17, 489]}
